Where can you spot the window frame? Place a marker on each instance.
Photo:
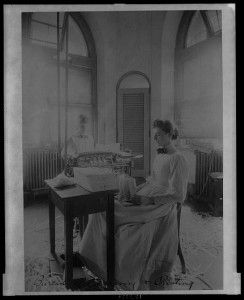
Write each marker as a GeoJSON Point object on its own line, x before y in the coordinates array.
{"type": "Point", "coordinates": [77, 61]}
{"type": "Point", "coordinates": [185, 26]}
{"type": "Point", "coordinates": [182, 54]}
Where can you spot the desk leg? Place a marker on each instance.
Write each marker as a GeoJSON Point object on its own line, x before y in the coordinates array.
{"type": "Point", "coordinates": [68, 237]}
{"type": "Point", "coordinates": [215, 199]}
{"type": "Point", "coordinates": [218, 197]}
{"type": "Point", "coordinates": [110, 243]}
{"type": "Point", "coordinates": [51, 224]}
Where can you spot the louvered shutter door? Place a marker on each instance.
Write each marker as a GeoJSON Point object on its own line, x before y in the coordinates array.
{"type": "Point", "coordinates": [134, 129]}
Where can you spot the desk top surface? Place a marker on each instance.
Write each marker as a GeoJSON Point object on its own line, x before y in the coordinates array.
{"type": "Point", "coordinates": [73, 190]}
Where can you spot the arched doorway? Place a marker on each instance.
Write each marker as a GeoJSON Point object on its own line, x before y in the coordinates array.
{"type": "Point", "coordinates": [133, 118]}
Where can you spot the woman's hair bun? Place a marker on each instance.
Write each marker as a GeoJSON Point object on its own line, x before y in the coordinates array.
{"type": "Point", "coordinates": [168, 127]}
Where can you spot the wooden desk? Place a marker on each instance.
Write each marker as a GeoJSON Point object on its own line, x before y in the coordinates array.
{"type": "Point", "coordinates": [73, 201]}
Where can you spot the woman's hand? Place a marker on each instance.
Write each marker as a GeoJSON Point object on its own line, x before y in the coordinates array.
{"type": "Point", "coordinates": [138, 200]}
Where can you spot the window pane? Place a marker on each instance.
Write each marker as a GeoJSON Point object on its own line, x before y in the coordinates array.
{"type": "Point", "coordinates": [197, 31]}
{"type": "Point", "coordinates": [38, 31]}
{"type": "Point", "coordinates": [40, 99]}
{"type": "Point", "coordinates": [215, 19]}
{"type": "Point", "coordinates": [79, 85]}
{"type": "Point", "coordinates": [48, 18]}
{"type": "Point", "coordinates": [44, 29]}
{"type": "Point", "coordinates": [77, 43]}
{"type": "Point", "coordinates": [42, 129]}
{"type": "Point", "coordinates": [44, 32]}
{"type": "Point", "coordinates": [73, 114]}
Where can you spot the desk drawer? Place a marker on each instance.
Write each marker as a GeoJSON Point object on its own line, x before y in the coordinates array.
{"type": "Point", "coordinates": [89, 205]}
{"type": "Point", "coordinates": [57, 201]}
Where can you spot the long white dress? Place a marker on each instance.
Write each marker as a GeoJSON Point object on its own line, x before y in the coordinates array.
{"type": "Point", "coordinates": [146, 236]}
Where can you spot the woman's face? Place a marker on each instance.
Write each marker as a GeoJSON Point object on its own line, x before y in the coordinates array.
{"type": "Point", "coordinates": [162, 138]}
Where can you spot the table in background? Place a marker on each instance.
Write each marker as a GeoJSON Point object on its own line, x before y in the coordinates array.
{"type": "Point", "coordinates": [216, 192]}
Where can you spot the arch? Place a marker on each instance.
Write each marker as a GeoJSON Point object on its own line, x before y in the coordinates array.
{"type": "Point", "coordinates": [132, 73]}
{"type": "Point", "coordinates": [183, 29]}
{"type": "Point", "coordinates": [79, 20]}
{"type": "Point", "coordinates": [185, 25]}
{"type": "Point", "coordinates": [168, 44]}
{"type": "Point", "coordinates": [85, 29]}
{"type": "Point", "coordinates": [134, 81]}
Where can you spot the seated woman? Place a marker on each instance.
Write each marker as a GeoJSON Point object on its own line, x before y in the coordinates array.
{"type": "Point", "coordinates": [146, 236]}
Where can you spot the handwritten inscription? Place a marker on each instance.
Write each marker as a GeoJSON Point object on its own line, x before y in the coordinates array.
{"type": "Point", "coordinates": [165, 280]}
{"type": "Point", "coordinates": [161, 281]}
{"type": "Point", "coordinates": [132, 296]}
{"type": "Point", "coordinates": [47, 280]}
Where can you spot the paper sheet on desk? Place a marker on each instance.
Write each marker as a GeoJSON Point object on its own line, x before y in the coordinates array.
{"type": "Point", "coordinates": [96, 179]}
{"type": "Point", "coordinates": [62, 180]}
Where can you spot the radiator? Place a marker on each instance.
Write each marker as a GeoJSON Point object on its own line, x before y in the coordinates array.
{"type": "Point", "coordinates": [205, 164]}
{"type": "Point", "coordinates": [38, 165]}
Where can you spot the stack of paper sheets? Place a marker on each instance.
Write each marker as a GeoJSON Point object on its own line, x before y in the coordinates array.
{"type": "Point", "coordinates": [96, 179]}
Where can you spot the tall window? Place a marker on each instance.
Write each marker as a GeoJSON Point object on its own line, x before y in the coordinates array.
{"type": "Point", "coordinates": [198, 75]}
{"type": "Point", "coordinates": [40, 89]}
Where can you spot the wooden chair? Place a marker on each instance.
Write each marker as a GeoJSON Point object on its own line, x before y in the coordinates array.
{"type": "Point", "coordinates": [179, 252]}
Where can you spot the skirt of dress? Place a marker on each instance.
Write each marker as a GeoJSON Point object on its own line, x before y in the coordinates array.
{"type": "Point", "coordinates": [146, 242]}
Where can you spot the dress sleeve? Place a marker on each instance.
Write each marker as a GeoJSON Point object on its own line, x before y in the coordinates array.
{"type": "Point", "coordinates": [178, 179]}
